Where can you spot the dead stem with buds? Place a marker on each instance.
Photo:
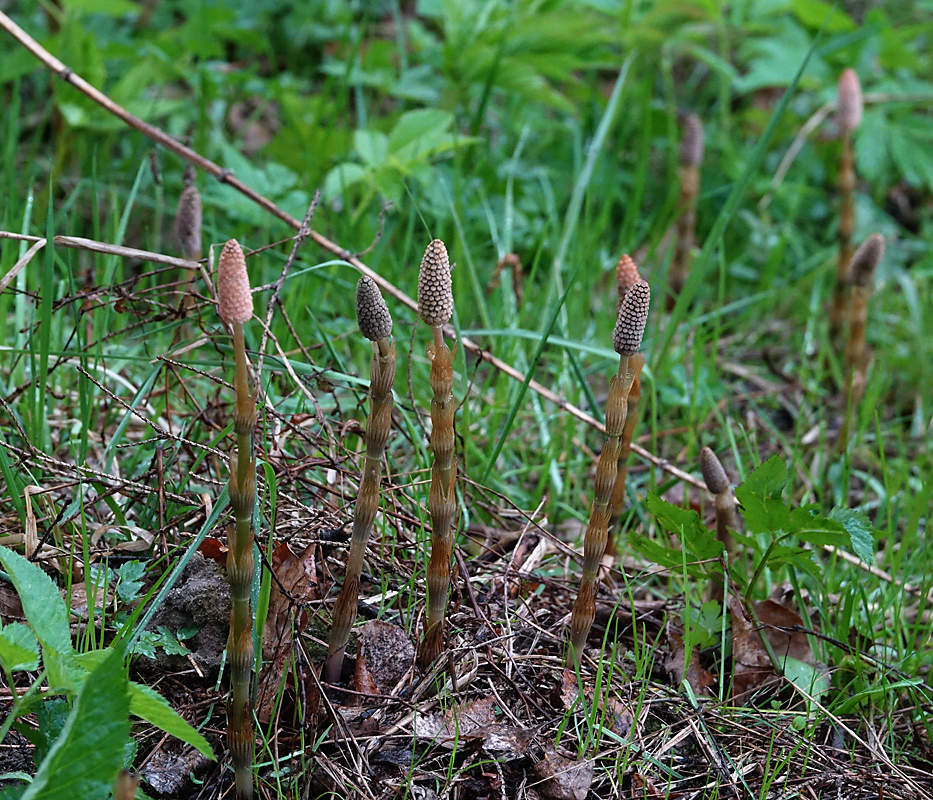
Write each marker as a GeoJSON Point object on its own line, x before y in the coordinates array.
{"type": "Point", "coordinates": [375, 324]}
{"type": "Point", "coordinates": [630, 326]}
{"type": "Point", "coordinates": [435, 307]}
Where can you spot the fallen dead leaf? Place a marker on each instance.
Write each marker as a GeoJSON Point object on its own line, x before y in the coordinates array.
{"type": "Point", "coordinates": [385, 654]}
{"type": "Point", "coordinates": [751, 664]}
{"type": "Point", "coordinates": [562, 778]}
{"type": "Point", "coordinates": [699, 678]}
{"type": "Point", "coordinates": [295, 583]}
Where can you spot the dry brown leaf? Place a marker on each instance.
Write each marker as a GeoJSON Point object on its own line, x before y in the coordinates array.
{"type": "Point", "coordinates": [295, 582]}
{"type": "Point", "coordinates": [644, 787]}
{"type": "Point", "coordinates": [562, 778]}
{"type": "Point", "coordinates": [385, 655]}
{"type": "Point", "coordinates": [751, 663]}
{"type": "Point", "coordinates": [699, 678]}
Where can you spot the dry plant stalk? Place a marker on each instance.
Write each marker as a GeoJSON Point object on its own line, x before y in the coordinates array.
{"type": "Point", "coordinates": [727, 518]}
{"type": "Point", "coordinates": [188, 226]}
{"type": "Point", "coordinates": [375, 323]}
{"type": "Point", "coordinates": [630, 327]}
{"type": "Point", "coordinates": [435, 307]}
{"type": "Point", "coordinates": [690, 156]}
{"type": "Point", "coordinates": [848, 117]}
{"type": "Point", "coordinates": [857, 356]}
{"type": "Point", "coordinates": [235, 302]}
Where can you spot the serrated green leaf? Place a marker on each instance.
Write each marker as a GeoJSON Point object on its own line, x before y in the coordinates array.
{"type": "Point", "coordinates": [860, 532]}
{"type": "Point", "coordinates": [341, 177]}
{"type": "Point", "coordinates": [816, 529]}
{"type": "Point", "coordinates": [46, 612]}
{"type": "Point", "coordinates": [149, 705]}
{"type": "Point", "coordinates": [372, 147]}
{"type": "Point", "coordinates": [51, 714]}
{"type": "Point", "coordinates": [418, 131]}
{"type": "Point", "coordinates": [19, 649]}
{"type": "Point", "coordinates": [699, 541]}
{"type": "Point", "coordinates": [760, 496]}
{"type": "Point", "coordinates": [85, 759]}
{"type": "Point", "coordinates": [799, 557]}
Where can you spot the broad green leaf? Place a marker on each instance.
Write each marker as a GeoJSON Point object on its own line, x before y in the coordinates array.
{"type": "Point", "coordinates": [860, 531]}
{"type": "Point", "coordinates": [417, 131]}
{"type": "Point", "coordinates": [372, 147]}
{"type": "Point", "coordinates": [760, 496]}
{"type": "Point", "coordinates": [663, 556]}
{"type": "Point", "coordinates": [699, 541]}
{"type": "Point", "coordinates": [813, 13]}
{"type": "Point", "coordinates": [112, 8]}
{"type": "Point", "coordinates": [815, 529]}
{"type": "Point", "coordinates": [85, 759]}
{"type": "Point", "coordinates": [46, 612]}
{"type": "Point", "coordinates": [19, 649]}
{"type": "Point", "coordinates": [807, 678]}
{"type": "Point", "coordinates": [149, 705]}
{"type": "Point", "coordinates": [799, 557]}
{"type": "Point", "coordinates": [341, 178]}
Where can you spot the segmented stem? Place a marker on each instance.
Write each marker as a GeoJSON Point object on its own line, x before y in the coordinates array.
{"type": "Point", "coordinates": [242, 488]}
{"type": "Point", "coordinates": [382, 372]}
{"type": "Point", "coordinates": [442, 498]}
{"type": "Point", "coordinates": [617, 499]}
{"type": "Point", "coordinates": [837, 311]}
{"type": "Point", "coordinates": [597, 531]}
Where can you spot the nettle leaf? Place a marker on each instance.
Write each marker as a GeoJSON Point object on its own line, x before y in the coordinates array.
{"type": "Point", "coordinates": [149, 705]}
{"type": "Point", "coordinates": [85, 759]}
{"type": "Point", "coordinates": [420, 132]}
{"type": "Point", "coordinates": [46, 612]}
{"type": "Point", "coordinates": [860, 531]}
{"type": "Point", "coordinates": [19, 649]}
{"type": "Point", "coordinates": [797, 557]}
{"type": "Point", "coordinates": [699, 541]}
{"type": "Point", "coordinates": [816, 529]}
{"type": "Point", "coordinates": [760, 495]}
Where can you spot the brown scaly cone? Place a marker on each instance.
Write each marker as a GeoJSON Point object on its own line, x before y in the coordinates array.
{"type": "Point", "coordinates": [435, 307]}
{"type": "Point", "coordinates": [375, 323]}
{"type": "Point", "coordinates": [626, 339]}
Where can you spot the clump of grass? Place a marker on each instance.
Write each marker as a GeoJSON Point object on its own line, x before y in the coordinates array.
{"type": "Point", "coordinates": [375, 323]}
{"type": "Point", "coordinates": [626, 339]}
{"type": "Point", "coordinates": [690, 156]}
{"type": "Point", "coordinates": [857, 355]}
{"type": "Point", "coordinates": [627, 275]}
{"type": "Point", "coordinates": [235, 302]}
{"type": "Point", "coordinates": [727, 518]}
{"type": "Point", "coordinates": [188, 225]}
{"type": "Point", "coordinates": [435, 307]}
{"type": "Point", "coordinates": [848, 117]}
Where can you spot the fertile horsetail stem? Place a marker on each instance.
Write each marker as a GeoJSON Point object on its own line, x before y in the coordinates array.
{"type": "Point", "coordinates": [848, 117]}
{"type": "Point", "coordinates": [375, 323]}
{"type": "Point", "coordinates": [235, 303]}
{"type": "Point", "coordinates": [435, 307]}
{"type": "Point", "coordinates": [630, 327]}
{"type": "Point", "coordinates": [188, 226]}
{"type": "Point", "coordinates": [857, 356]}
{"type": "Point", "coordinates": [690, 156]}
{"type": "Point", "coordinates": [627, 276]}
{"type": "Point", "coordinates": [727, 519]}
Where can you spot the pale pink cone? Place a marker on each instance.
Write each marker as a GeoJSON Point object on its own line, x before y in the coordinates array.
{"type": "Point", "coordinates": [234, 298]}
{"type": "Point", "coordinates": [849, 102]}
